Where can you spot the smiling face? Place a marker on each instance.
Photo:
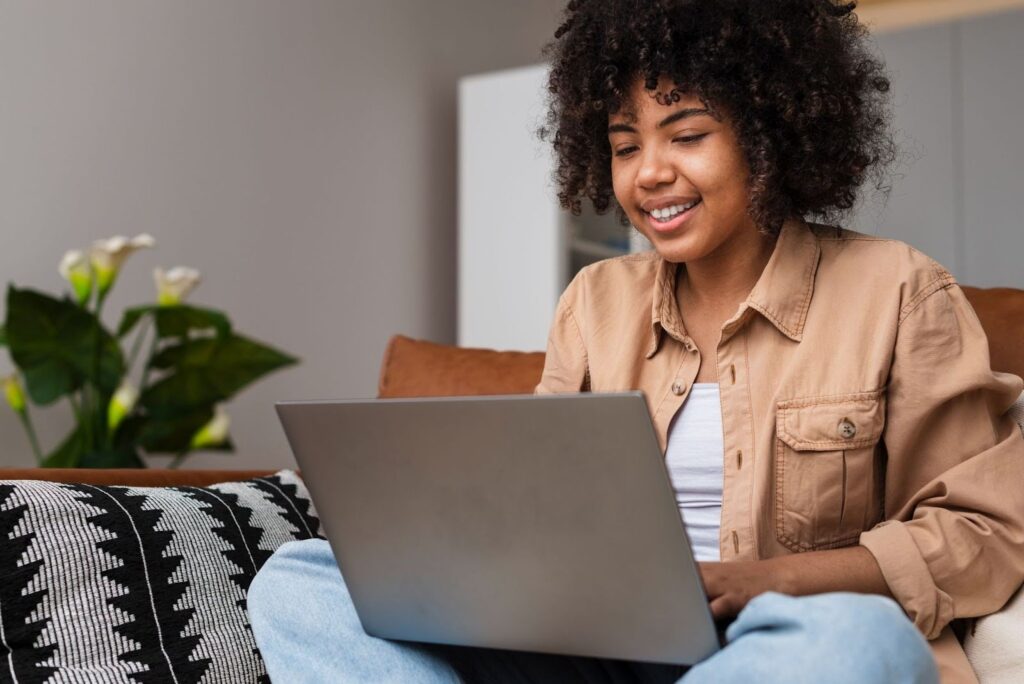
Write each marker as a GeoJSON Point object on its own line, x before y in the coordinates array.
{"type": "Point", "coordinates": [680, 175]}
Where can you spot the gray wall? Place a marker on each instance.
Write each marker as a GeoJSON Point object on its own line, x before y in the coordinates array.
{"type": "Point", "coordinates": [300, 153]}
{"type": "Point", "coordinates": [958, 91]}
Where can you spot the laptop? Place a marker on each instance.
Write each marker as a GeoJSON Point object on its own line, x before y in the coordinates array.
{"type": "Point", "coordinates": [532, 523]}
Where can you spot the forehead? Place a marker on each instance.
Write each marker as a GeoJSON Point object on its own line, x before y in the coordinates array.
{"type": "Point", "coordinates": [642, 104]}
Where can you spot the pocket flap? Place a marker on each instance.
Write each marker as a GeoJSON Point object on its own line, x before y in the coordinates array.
{"type": "Point", "coordinates": [850, 421]}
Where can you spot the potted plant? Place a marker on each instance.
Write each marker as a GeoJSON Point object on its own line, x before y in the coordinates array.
{"type": "Point", "coordinates": [194, 362]}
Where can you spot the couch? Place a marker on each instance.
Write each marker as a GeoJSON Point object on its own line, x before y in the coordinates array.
{"type": "Point", "coordinates": [413, 368]}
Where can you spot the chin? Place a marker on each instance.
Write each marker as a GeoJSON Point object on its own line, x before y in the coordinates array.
{"type": "Point", "coordinates": [680, 248]}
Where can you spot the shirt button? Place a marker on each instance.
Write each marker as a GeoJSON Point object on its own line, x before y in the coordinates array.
{"type": "Point", "coordinates": [678, 389]}
{"type": "Point", "coordinates": [847, 429]}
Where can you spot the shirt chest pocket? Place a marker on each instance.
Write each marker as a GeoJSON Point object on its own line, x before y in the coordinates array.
{"type": "Point", "coordinates": [828, 469]}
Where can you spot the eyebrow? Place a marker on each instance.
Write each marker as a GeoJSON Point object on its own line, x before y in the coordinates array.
{"type": "Point", "coordinates": [667, 121]}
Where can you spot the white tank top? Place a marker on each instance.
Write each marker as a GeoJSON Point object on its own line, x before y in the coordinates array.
{"type": "Point", "coordinates": [694, 459]}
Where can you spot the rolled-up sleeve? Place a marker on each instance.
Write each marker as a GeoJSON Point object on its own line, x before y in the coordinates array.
{"type": "Point", "coordinates": [565, 362]}
{"type": "Point", "coordinates": [952, 544]}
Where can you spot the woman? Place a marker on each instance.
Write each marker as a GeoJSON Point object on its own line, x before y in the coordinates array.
{"type": "Point", "coordinates": [830, 422]}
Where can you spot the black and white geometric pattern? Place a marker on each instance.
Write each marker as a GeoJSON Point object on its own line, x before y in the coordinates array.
{"type": "Point", "coordinates": [139, 584]}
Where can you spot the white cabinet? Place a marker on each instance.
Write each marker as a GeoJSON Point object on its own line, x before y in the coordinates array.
{"type": "Point", "coordinates": [510, 245]}
{"type": "Point", "coordinates": [517, 249]}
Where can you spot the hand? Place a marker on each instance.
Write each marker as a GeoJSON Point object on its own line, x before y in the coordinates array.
{"type": "Point", "coordinates": [731, 585]}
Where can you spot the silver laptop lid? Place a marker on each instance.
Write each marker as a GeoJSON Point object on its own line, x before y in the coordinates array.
{"type": "Point", "coordinates": [538, 523]}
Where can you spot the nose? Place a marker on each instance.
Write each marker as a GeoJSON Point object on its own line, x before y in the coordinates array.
{"type": "Point", "coordinates": [655, 169]}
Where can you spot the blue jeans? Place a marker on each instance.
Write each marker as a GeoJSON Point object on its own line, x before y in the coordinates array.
{"type": "Point", "coordinates": [308, 631]}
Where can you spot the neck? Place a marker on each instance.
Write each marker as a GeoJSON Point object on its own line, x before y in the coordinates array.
{"type": "Point", "coordinates": [725, 277]}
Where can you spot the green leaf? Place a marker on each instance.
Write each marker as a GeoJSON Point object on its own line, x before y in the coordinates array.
{"type": "Point", "coordinates": [48, 382]}
{"type": "Point", "coordinates": [178, 321]}
{"type": "Point", "coordinates": [207, 371]}
{"type": "Point", "coordinates": [131, 317]}
{"type": "Point", "coordinates": [168, 434]}
{"type": "Point", "coordinates": [171, 433]}
{"type": "Point", "coordinates": [193, 353]}
{"type": "Point", "coordinates": [58, 346]}
{"type": "Point", "coordinates": [74, 452]}
{"type": "Point", "coordinates": [69, 453]}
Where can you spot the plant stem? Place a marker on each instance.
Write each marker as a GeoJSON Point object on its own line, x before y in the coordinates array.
{"type": "Point", "coordinates": [149, 363]}
{"type": "Point", "coordinates": [75, 408]}
{"type": "Point", "coordinates": [100, 299]}
{"type": "Point", "coordinates": [32, 437]}
{"type": "Point", "coordinates": [82, 414]}
{"type": "Point", "coordinates": [108, 434]}
{"type": "Point", "coordinates": [99, 409]}
{"type": "Point", "coordinates": [91, 402]}
{"type": "Point", "coordinates": [101, 419]}
{"type": "Point", "coordinates": [139, 337]}
{"type": "Point", "coordinates": [177, 460]}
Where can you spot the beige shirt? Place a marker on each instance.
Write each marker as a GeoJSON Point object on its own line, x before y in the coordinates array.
{"type": "Point", "coordinates": [858, 406]}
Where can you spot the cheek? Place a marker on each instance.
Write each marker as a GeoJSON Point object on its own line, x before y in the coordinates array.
{"type": "Point", "coordinates": [734, 163]}
{"type": "Point", "coordinates": [622, 185]}
{"type": "Point", "coordinates": [717, 172]}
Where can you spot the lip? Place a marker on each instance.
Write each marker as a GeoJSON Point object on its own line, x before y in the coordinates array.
{"type": "Point", "coordinates": [662, 202]}
{"type": "Point", "coordinates": [677, 220]}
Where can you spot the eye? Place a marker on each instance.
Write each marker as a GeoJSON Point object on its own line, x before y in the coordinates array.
{"type": "Point", "coordinates": [625, 151]}
{"type": "Point", "coordinates": [690, 139]}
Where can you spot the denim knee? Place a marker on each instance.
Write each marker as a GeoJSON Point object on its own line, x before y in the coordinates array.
{"type": "Point", "coordinates": [283, 583]}
{"type": "Point", "coordinates": [307, 628]}
{"type": "Point", "coordinates": [860, 622]}
{"type": "Point", "coordinates": [296, 590]}
{"type": "Point", "coordinates": [864, 632]}
{"type": "Point", "coordinates": [838, 637]}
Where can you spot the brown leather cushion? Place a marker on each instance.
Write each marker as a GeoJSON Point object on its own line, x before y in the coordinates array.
{"type": "Point", "coordinates": [417, 368]}
{"type": "Point", "coordinates": [131, 477]}
{"type": "Point", "coordinates": [1001, 312]}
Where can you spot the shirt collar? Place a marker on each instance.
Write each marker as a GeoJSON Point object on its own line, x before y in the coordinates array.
{"type": "Point", "coordinates": [782, 294]}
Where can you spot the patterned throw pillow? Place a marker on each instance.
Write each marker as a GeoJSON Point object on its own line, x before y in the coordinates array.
{"type": "Point", "coordinates": [138, 584]}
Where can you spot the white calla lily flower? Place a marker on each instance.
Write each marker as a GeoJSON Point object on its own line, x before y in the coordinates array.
{"type": "Point", "coordinates": [121, 405]}
{"type": "Point", "coordinates": [214, 433]}
{"type": "Point", "coordinates": [174, 285]}
{"type": "Point", "coordinates": [74, 268]}
{"type": "Point", "coordinates": [108, 255]}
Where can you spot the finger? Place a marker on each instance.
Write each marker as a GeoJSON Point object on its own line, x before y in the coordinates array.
{"type": "Point", "coordinates": [724, 606]}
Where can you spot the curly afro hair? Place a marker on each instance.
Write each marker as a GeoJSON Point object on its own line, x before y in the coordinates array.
{"type": "Point", "coordinates": [808, 100]}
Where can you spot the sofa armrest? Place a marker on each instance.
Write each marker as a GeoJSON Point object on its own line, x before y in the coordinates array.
{"type": "Point", "coordinates": [132, 477]}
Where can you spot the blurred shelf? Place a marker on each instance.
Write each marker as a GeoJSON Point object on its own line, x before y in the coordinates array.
{"type": "Point", "coordinates": [893, 15]}
{"type": "Point", "coordinates": [599, 250]}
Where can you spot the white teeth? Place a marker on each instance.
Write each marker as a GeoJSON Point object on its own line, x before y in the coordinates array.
{"type": "Point", "coordinates": [669, 212]}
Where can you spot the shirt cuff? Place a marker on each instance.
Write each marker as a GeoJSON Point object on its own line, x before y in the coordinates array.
{"type": "Point", "coordinates": [908, 577]}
